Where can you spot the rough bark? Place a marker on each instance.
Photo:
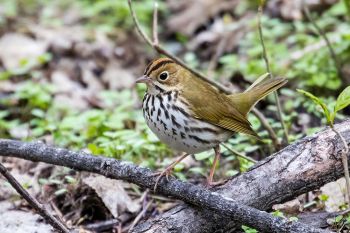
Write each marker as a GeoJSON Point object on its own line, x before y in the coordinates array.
{"type": "Point", "coordinates": [193, 194]}
{"type": "Point", "coordinates": [301, 167]}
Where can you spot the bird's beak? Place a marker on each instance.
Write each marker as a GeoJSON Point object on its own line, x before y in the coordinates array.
{"type": "Point", "coordinates": [144, 79]}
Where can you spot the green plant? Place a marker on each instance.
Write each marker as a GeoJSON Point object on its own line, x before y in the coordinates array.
{"type": "Point", "coordinates": [36, 95]}
{"type": "Point", "coordinates": [342, 102]}
{"type": "Point", "coordinates": [278, 213]}
{"type": "Point", "coordinates": [323, 197]}
{"type": "Point", "coordinates": [341, 222]}
{"type": "Point", "coordinates": [247, 229]}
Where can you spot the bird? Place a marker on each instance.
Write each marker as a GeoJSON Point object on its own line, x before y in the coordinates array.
{"type": "Point", "coordinates": [190, 115]}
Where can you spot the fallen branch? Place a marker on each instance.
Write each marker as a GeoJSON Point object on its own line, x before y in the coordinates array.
{"type": "Point", "coordinates": [299, 168]}
{"type": "Point", "coordinates": [33, 202]}
{"type": "Point", "coordinates": [192, 194]}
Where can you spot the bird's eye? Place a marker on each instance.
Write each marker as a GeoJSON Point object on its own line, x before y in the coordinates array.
{"type": "Point", "coordinates": [164, 75]}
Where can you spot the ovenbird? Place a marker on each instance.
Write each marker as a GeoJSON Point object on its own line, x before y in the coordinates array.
{"type": "Point", "coordinates": [190, 115]}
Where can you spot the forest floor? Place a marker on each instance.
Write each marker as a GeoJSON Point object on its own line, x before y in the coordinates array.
{"type": "Point", "coordinates": [67, 76]}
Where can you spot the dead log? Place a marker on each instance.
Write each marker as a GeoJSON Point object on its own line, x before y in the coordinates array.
{"type": "Point", "coordinates": [189, 193]}
{"type": "Point", "coordinates": [301, 167]}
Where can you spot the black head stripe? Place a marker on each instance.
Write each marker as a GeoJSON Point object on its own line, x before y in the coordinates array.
{"type": "Point", "coordinates": [157, 65]}
{"type": "Point", "coordinates": [148, 67]}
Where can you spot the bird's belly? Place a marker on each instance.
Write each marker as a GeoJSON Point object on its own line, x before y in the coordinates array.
{"type": "Point", "coordinates": [175, 127]}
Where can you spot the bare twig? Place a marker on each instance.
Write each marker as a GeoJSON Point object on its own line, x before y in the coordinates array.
{"type": "Point", "coordinates": [161, 50]}
{"type": "Point", "coordinates": [102, 226]}
{"type": "Point", "coordinates": [187, 192]}
{"type": "Point", "coordinates": [278, 103]}
{"type": "Point", "coordinates": [155, 23]}
{"type": "Point", "coordinates": [239, 154]}
{"type": "Point", "coordinates": [268, 127]}
{"type": "Point", "coordinates": [344, 157]}
{"type": "Point", "coordinates": [33, 202]}
{"type": "Point", "coordinates": [140, 215]}
{"type": "Point", "coordinates": [322, 34]}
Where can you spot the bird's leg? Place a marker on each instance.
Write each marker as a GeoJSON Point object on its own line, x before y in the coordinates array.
{"type": "Point", "coordinates": [167, 171]}
{"type": "Point", "coordinates": [212, 170]}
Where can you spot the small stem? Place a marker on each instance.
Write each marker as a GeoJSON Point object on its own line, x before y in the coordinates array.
{"type": "Point", "coordinates": [137, 24]}
{"type": "Point", "coordinates": [347, 5]}
{"type": "Point", "coordinates": [140, 215]}
{"type": "Point", "coordinates": [279, 108]}
{"type": "Point", "coordinates": [33, 202]}
{"type": "Point", "coordinates": [267, 126]}
{"type": "Point", "coordinates": [344, 156]}
{"type": "Point", "coordinates": [155, 23]}
{"type": "Point", "coordinates": [238, 153]}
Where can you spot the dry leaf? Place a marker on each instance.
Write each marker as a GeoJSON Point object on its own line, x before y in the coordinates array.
{"type": "Point", "coordinates": [191, 14]}
{"type": "Point", "coordinates": [293, 10]}
{"type": "Point", "coordinates": [15, 48]}
{"type": "Point", "coordinates": [117, 77]}
{"type": "Point", "coordinates": [20, 221]}
{"type": "Point", "coordinates": [59, 39]}
{"type": "Point", "coordinates": [336, 192]}
{"type": "Point", "coordinates": [68, 92]}
{"type": "Point", "coordinates": [112, 194]}
{"type": "Point", "coordinates": [292, 207]}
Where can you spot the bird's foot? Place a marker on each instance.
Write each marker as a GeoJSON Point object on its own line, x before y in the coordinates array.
{"type": "Point", "coordinates": [166, 172]}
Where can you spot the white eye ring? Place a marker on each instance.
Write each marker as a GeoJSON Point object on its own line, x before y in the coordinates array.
{"type": "Point", "coordinates": [164, 75]}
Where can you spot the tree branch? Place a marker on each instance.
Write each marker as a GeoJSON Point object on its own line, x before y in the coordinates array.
{"type": "Point", "coordinates": [301, 167]}
{"type": "Point", "coordinates": [276, 143]}
{"type": "Point", "coordinates": [192, 194]}
{"type": "Point", "coordinates": [33, 202]}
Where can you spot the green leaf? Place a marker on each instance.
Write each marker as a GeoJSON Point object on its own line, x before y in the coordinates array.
{"type": "Point", "coordinates": [343, 100]}
{"type": "Point", "coordinates": [61, 192]}
{"type": "Point", "coordinates": [330, 117]}
{"type": "Point", "coordinates": [323, 197]}
{"type": "Point", "coordinates": [70, 179]}
{"type": "Point", "coordinates": [278, 213]}
{"type": "Point", "coordinates": [202, 155]}
{"type": "Point", "coordinates": [338, 218]}
{"type": "Point", "coordinates": [247, 229]}
{"type": "Point", "coordinates": [293, 219]}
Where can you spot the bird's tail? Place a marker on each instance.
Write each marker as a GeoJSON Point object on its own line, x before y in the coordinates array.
{"type": "Point", "coordinates": [245, 101]}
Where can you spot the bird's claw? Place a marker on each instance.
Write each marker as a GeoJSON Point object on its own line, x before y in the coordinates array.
{"type": "Point", "coordinates": [166, 173]}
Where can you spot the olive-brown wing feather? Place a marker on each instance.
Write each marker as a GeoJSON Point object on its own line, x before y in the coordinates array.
{"type": "Point", "coordinates": [207, 104]}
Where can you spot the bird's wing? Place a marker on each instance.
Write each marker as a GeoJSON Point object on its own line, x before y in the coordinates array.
{"type": "Point", "coordinates": [216, 108]}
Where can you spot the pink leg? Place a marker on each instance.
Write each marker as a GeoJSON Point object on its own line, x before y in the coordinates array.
{"type": "Point", "coordinates": [167, 171]}
{"type": "Point", "coordinates": [212, 170]}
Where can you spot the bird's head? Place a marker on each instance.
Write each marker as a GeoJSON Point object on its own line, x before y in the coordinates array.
{"type": "Point", "coordinates": [162, 75]}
